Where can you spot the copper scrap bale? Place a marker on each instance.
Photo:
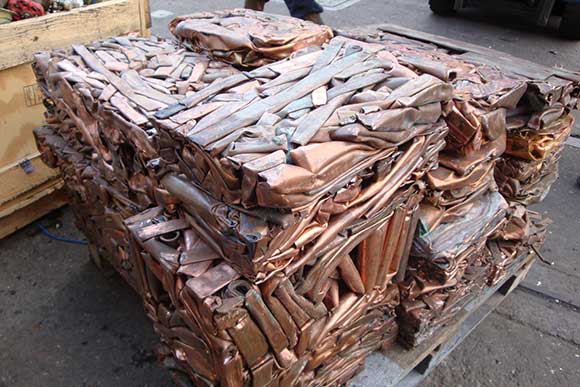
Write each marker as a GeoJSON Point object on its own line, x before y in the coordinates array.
{"type": "Point", "coordinates": [530, 165]}
{"type": "Point", "coordinates": [487, 102]}
{"type": "Point", "coordinates": [293, 155]}
{"type": "Point", "coordinates": [247, 38]}
{"type": "Point", "coordinates": [99, 207]}
{"type": "Point", "coordinates": [221, 329]}
{"type": "Point", "coordinates": [444, 275]}
{"type": "Point", "coordinates": [282, 223]}
{"type": "Point", "coordinates": [98, 98]}
{"type": "Point", "coordinates": [294, 286]}
{"type": "Point", "coordinates": [211, 320]}
{"type": "Point", "coordinates": [504, 129]}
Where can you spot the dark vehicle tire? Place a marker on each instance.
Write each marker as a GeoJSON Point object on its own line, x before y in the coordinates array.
{"type": "Point", "coordinates": [442, 7]}
{"type": "Point", "coordinates": [570, 25]}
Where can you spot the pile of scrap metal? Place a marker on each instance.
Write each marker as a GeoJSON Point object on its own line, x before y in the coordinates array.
{"type": "Point", "coordinates": [533, 108]}
{"type": "Point", "coordinates": [506, 133]}
{"type": "Point", "coordinates": [266, 214]}
{"type": "Point", "coordinates": [99, 134]}
{"type": "Point", "coordinates": [245, 37]}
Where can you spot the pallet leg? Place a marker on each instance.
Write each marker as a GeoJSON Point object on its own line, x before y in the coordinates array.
{"type": "Point", "coordinates": [100, 262]}
{"type": "Point", "coordinates": [515, 279]}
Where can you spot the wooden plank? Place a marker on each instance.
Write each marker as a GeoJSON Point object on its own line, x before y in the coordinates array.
{"type": "Point", "coordinates": [397, 363]}
{"type": "Point", "coordinates": [30, 196]}
{"type": "Point", "coordinates": [145, 16]}
{"type": "Point", "coordinates": [23, 177]}
{"type": "Point", "coordinates": [28, 214]}
{"type": "Point", "coordinates": [515, 280]}
{"type": "Point", "coordinates": [415, 377]}
{"type": "Point", "coordinates": [20, 40]}
{"type": "Point", "coordinates": [506, 61]}
{"type": "Point", "coordinates": [21, 108]}
{"type": "Point", "coordinates": [473, 320]}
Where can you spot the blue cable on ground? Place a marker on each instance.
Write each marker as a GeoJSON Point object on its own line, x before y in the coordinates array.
{"type": "Point", "coordinates": [57, 238]}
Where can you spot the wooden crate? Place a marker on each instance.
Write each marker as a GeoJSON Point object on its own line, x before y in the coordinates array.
{"type": "Point", "coordinates": [25, 179]}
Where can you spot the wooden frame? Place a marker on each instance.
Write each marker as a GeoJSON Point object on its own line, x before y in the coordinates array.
{"type": "Point", "coordinates": [30, 188]}
{"type": "Point", "coordinates": [21, 39]}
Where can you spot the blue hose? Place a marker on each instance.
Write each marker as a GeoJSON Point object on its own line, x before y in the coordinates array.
{"type": "Point", "coordinates": [57, 238]}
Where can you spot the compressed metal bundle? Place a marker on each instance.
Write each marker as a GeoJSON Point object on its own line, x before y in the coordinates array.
{"type": "Point", "coordinates": [283, 222]}
{"type": "Point", "coordinates": [99, 207]}
{"type": "Point", "coordinates": [475, 116]}
{"type": "Point", "coordinates": [182, 280]}
{"type": "Point", "coordinates": [294, 287]}
{"type": "Point", "coordinates": [305, 211]}
{"type": "Point", "coordinates": [530, 166]}
{"type": "Point", "coordinates": [221, 329]}
{"type": "Point", "coordinates": [491, 112]}
{"type": "Point", "coordinates": [447, 267]}
{"type": "Point", "coordinates": [523, 230]}
{"type": "Point", "coordinates": [98, 102]}
{"type": "Point", "coordinates": [531, 104]}
{"type": "Point", "coordinates": [245, 37]}
{"type": "Point", "coordinates": [536, 133]}
{"type": "Point", "coordinates": [102, 96]}
{"type": "Point", "coordinates": [444, 275]}
{"type": "Point", "coordinates": [302, 155]}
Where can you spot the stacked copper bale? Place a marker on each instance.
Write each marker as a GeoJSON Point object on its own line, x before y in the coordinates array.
{"type": "Point", "coordinates": [536, 133]}
{"type": "Point", "coordinates": [300, 175]}
{"type": "Point", "coordinates": [98, 101]}
{"type": "Point", "coordinates": [468, 233]}
{"type": "Point", "coordinates": [219, 328]}
{"type": "Point", "coordinates": [247, 38]}
{"type": "Point", "coordinates": [534, 113]}
{"type": "Point", "coordinates": [264, 215]}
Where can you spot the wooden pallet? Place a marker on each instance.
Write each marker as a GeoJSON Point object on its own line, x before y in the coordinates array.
{"type": "Point", "coordinates": [22, 39]}
{"type": "Point", "coordinates": [400, 367]}
{"type": "Point", "coordinates": [40, 202]}
{"type": "Point", "coordinates": [478, 54]}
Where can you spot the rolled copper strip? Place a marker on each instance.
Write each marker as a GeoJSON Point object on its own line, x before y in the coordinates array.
{"type": "Point", "coordinates": [268, 324]}
{"type": "Point", "coordinates": [371, 251]}
{"type": "Point", "coordinates": [389, 247]}
{"type": "Point", "coordinates": [349, 273]}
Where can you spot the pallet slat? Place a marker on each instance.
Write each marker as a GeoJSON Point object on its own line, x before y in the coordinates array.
{"type": "Point", "coordinates": [37, 209]}
{"type": "Point", "coordinates": [405, 368]}
{"type": "Point", "coordinates": [481, 54]}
